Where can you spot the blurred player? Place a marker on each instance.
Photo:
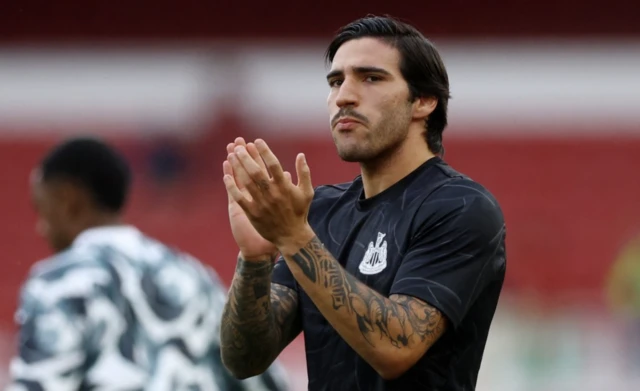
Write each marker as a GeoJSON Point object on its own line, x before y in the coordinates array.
{"type": "Point", "coordinates": [394, 277]}
{"type": "Point", "coordinates": [113, 309]}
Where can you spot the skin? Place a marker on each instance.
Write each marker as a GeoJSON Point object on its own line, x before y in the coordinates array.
{"type": "Point", "coordinates": [366, 83]}
{"type": "Point", "coordinates": [268, 214]}
{"type": "Point", "coordinates": [64, 210]}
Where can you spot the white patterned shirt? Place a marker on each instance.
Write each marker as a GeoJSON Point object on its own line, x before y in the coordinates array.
{"type": "Point", "coordinates": [121, 311]}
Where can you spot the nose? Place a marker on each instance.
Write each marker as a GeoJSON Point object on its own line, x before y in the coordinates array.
{"type": "Point", "coordinates": [347, 94]}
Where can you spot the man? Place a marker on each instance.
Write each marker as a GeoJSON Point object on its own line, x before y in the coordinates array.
{"type": "Point", "coordinates": [395, 277]}
{"type": "Point", "coordinates": [113, 309]}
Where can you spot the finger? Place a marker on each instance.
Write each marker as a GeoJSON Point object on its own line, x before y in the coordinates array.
{"type": "Point", "coordinates": [304, 174]}
{"type": "Point", "coordinates": [260, 177]}
{"type": "Point", "coordinates": [240, 141]}
{"type": "Point", "coordinates": [253, 151]}
{"type": "Point", "coordinates": [227, 170]}
{"type": "Point", "coordinates": [287, 176]}
{"type": "Point", "coordinates": [236, 142]}
{"type": "Point", "coordinates": [240, 175]}
{"type": "Point", "coordinates": [270, 160]}
{"type": "Point", "coordinates": [234, 192]}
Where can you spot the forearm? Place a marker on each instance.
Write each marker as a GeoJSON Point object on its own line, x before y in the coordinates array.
{"type": "Point", "coordinates": [249, 336]}
{"type": "Point", "coordinates": [387, 333]}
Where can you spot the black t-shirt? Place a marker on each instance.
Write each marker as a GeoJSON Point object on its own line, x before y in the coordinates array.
{"type": "Point", "coordinates": [435, 235]}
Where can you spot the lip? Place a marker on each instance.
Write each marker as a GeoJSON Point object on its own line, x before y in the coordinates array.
{"type": "Point", "coordinates": [347, 123]}
{"type": "Point", "coordinates": [347, 120]}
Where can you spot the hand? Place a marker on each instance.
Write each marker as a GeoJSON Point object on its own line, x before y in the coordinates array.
{"type": "Point", "coordinates": [252, 244]}
{"type": "Point", "coordinates": [276, 207]}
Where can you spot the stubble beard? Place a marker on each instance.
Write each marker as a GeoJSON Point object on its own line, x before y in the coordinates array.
{"type": "Point", "coordinates": [380, 142]}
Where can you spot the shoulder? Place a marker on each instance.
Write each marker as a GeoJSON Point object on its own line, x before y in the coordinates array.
{"type": "Point", "coordinates": [165, 269]}
{"type": "Point", "coordinates": [201, 274]}
{"type": "Point", "coordinates": [461, 204]}
{"type": "Point", "coordinates": [78, 267]}
{"type": "Point", "coordinates": [154, 262]}
{"type": "Point", "coordinates": [178, 286]}
{"type": "Point", "coordinates": [326, 195]}
{"type": "Point", "coordinates": [458, 190]}
{"type": "Point", "coordinates": [61, 283]}
{"type": "Point", "coordinates": [172, 277]}
{"type": "Point", "coordinates": [332, 191]}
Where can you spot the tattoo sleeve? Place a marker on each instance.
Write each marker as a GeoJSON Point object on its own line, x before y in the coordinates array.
{"type": "Point", "coordinates": [259, 319]}
{"type": "Point", "coordinates": [374, 325]}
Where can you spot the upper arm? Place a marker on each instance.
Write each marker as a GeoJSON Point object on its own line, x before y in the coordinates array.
{"type": "Point", "coordinates": [457, 250]}
{"type": "Point", "coordinates": [426, 322]}
{"type": "Point", "coordinates": [51, 339]}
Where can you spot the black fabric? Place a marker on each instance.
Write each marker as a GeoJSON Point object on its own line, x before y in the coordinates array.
{"type": "Point", "coordinates": [435, 235]}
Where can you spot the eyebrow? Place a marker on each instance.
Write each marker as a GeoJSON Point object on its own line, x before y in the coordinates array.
{"type": "Point", "coordinates": [358, 70]}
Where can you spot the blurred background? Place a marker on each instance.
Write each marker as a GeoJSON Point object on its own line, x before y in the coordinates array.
{"type": "Point", "coordinates": [545, 113]}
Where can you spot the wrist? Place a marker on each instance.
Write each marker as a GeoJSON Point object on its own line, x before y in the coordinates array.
{"type": "Point", "coordinates": [292, 245]}
{"type": "Point", "coordinates": [255, 267]}
{"type": "Point", "coordinates": [270, 257]}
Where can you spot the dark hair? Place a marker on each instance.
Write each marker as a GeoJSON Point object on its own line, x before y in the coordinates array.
{"type": "Point", "coordinates": [95, 166]}
{"type": "Point", "coordinates": [420, 65]}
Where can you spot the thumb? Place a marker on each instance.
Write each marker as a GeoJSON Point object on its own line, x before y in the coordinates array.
{"type": "Point", "coordinates": [304, 174]}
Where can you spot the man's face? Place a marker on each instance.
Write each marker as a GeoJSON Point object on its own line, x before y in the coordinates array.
{"type": "Point", "coordinates": [369, 105]}
{"type": "Point", "coordinates": [53, 205]}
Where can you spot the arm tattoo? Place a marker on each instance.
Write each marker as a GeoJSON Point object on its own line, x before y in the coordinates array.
{"type": "Point", "coordinates": [401, 320]}
{"type": "Point", "coordinates": [258, 321]}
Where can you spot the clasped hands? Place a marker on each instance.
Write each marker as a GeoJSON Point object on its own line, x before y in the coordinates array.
{"type": "Point", "coordinates": [275, 206]}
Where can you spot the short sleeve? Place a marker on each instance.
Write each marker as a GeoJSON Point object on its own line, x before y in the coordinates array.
{"type": "Point", "coordinates": [457, 251]}
{"type": "Point", "coordinates": [282, 275]}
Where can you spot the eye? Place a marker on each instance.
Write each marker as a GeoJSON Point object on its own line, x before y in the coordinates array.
{"type": "Point", "coordinates": [372, 78]}
{"type": "Point", "coordinates": [335, 83]}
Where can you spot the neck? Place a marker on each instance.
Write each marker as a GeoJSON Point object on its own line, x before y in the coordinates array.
{"type": "Point", "coordinates": [385, 171]}
{"type": "Point", "coordinates": [100, 220]}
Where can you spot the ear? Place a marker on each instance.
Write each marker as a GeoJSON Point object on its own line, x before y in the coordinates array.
{"type": "Point", "coordinates": [424, 106]}
{"type": "Point", "coordinates": [71, 198]}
